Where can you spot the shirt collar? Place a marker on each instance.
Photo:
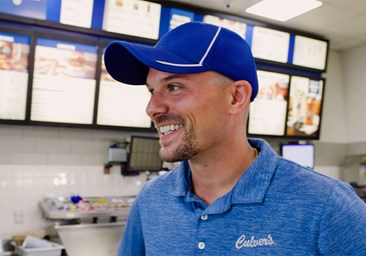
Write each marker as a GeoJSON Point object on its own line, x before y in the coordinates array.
{"type": "Point", "coordinates": [251, 187]}
{"type": "Point", "coordinates": [254, 183]}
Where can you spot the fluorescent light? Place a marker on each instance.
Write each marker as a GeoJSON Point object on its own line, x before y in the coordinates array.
{"type": "Point", "coordinates": [283, 10]}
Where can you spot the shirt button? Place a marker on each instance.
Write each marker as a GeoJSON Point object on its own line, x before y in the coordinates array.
{"type": "Point", "coordinates": [204, 217]}
{"type": "Point", "coordinates": [201, 245]}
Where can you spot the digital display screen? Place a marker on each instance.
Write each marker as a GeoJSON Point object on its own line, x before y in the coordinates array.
{"type": "Point", "coordinates": [267, 114]}
{"type": "Point", "coordinates": [63, 82]}
{"type": "Point", "coordinates": [239, 27]}
{"type": "Point", "coordinates": [269, 44]}
{"type": "Point", "coordinates": [14, 53]}
{"type": "Point", "coordinates": [309, 52]}
{"type": "Point", "coordinates": [25, 8]}
{"type": "Point", "coordinates": [179, 17]}
{"type": "Point", "coordinates": [77, 13]}
{"type": "Point", "coordinates": [144, 154]}
{"type": "Point", "coordinates": [172, 18]}
{"type": "Point", "coordinates": [121, 104]}
{"type": "Point", "coordinates": [132, 17]}
{"type": "Point", "coordinates": [302, 154]}
{"type": "Point", "coordinates": [305, 104]}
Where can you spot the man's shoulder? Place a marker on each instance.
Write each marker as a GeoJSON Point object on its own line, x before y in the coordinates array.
{"type": "Point", "coordinates": [309, 184]}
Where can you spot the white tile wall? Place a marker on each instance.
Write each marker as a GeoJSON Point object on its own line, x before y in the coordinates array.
{"type": "Point", "coordinates": [23, 186]}
{"type": "Point", "coordinates": [38, 161]}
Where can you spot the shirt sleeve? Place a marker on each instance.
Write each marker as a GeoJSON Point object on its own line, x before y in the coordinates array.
{"type": "Point", "coordinates": [343, 224]}
{"type": "Point", "coordinates": [132, 243]}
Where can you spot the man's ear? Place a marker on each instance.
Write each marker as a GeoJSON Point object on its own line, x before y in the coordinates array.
{"type": "Point", "coordinates": [241, 92]}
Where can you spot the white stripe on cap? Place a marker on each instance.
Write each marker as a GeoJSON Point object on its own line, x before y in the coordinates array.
{"type": "Point", "coordinates": [202, 59]}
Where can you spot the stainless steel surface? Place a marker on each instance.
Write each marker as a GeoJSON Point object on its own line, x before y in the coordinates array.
{"type": "Point", "coordinates": [6, 248]}
{"type": "Point", "coordinates": [91, 239]}
{"type": "Point", "coordinates": [59, 209]}
{"type": "Point", "coordinates": [105, 218]}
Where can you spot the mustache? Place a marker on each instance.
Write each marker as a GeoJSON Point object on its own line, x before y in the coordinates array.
{"type": "Point", "coordinates": [167, 118]}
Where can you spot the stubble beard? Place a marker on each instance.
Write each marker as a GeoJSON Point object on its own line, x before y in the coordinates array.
{"type": "Point", "coordinates": [187, 147]}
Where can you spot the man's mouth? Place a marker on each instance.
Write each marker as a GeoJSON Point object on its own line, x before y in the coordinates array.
{"type": "Point", "coordinates": [167, 129]}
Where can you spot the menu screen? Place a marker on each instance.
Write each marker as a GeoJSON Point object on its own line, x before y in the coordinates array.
{"type": "Point", "coordinates": [304, 110]}
{"type": "Point", "coordinates": [121, 104]}
{"type": "Point", "coordinates": [236, 26]}
{"type": "Point", "coordinates": [179, 17]}
{"type": "Point", "coordinates": [299, 153]}
{"type": "Point", "coordinates": [310, 52]}
{"type": "Point", "coordinates": [77, 13]}
{"type": "Point", "coordinates": [63, 82]}
{"type": "Point", "coordinates": [267, 114]}
{"type": "Point", "coordinates": [36, 9]}
{"type": "Point", "coordinates": [132, 17]}
{"type": "Point", "coordinates": [14, 52]}
{"type": "Point", "coordinates": [270, 44]}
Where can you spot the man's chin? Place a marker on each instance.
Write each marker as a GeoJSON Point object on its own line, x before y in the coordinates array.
{"type": "Point", "coordinates": [169, 155]}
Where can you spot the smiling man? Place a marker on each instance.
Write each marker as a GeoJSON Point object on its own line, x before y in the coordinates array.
{"type": "Point", "coordinates": [230, 195]}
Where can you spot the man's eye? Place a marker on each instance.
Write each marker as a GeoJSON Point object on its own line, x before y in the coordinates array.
{"type": "Point", "coordinates": [174, 87]}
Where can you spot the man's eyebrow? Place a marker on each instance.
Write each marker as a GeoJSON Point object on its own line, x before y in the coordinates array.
{"type": "Point", "coordinates": [171, 77]}
{"type": "Point", "coordinates": [167, 79]}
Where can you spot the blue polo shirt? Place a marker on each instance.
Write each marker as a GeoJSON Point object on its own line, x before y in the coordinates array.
{"type": "Point", "coordinates": [276, 208]}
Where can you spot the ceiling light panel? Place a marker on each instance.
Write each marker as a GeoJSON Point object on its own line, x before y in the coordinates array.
{"type": "Point", "coordinates": [282, 10]}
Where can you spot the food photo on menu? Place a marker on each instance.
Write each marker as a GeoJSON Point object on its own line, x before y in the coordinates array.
{"type": "Point", "coordinates": [14, 52]}
{"type": "Point", "coordinates": [64, 82]}
{"type": "Point", "coordinates": [267, 114]}
{"type": "Point", "coordinates": [129, 100]}
{"type": "Point", "coordinates": [304, 107]}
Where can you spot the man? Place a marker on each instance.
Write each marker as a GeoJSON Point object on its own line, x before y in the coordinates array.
{"type": "Point", "coordinates": [230, 195]}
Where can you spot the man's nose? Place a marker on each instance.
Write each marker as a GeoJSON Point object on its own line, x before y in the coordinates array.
{"type": "Point", "coordinates": [157, 105]}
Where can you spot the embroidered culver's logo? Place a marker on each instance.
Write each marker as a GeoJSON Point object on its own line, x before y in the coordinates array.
{"type": "Point", "coordinates": [243, 241]}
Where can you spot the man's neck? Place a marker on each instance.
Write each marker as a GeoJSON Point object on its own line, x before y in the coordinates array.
{"type": "Point", "coordinates": [214, 177]}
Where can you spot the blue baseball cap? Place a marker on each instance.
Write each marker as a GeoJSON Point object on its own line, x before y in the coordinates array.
{"type": "Point", "coordinates": [189, 48]}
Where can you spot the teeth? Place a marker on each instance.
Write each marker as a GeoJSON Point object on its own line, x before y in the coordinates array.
{"type": "Point", "coordinates": [166, 129]}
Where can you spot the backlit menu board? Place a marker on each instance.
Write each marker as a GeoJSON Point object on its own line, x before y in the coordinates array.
{"type": "Point", "coordinates": [236, 26]}
{"type": "Point", "coordinates": [304, 112]}
{"type": "Point", "coordinates": [25, 8]}
{"type": "Point", "coordinates": [121, 104]}
{"type": "Point", "coordinates": [270, 44]}
{"type": "Point", "coordinates": [309, 52]}
{"type": "Point", "coordinates": [64, 82]}
{"type": "Point", "coordinates": [132, 17]}
{"type": "Point", "coordinates": [14, 52]}
{"type": "Point", "coordinates": [179, 17]}
{"type": "Point", "coordinates": [267, 114]}
{"type": "Point", "coordinates": [172, 18]}
{"type": "Point", "coordinates": [77, 13]}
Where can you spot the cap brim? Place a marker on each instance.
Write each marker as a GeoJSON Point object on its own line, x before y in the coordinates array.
{"type": "Point", "coordinates": [129, 63]}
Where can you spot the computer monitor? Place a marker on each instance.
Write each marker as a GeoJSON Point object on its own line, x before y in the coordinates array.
{"type": "Point", "coordinates": [144, 155]}
{"type": "Point", "coordinates": [302, 154]}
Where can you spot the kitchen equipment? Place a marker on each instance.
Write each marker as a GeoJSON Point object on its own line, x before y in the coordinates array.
{"type": "Point", "coordinates": [90, 225]}
{"type": "Point", "coordinates": [91, 239]}
{"type": "Point", "coordinates": [6, 248]}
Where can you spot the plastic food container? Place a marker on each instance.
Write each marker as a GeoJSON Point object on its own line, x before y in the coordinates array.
{"type": "Point", "coordinates": [33, 246]}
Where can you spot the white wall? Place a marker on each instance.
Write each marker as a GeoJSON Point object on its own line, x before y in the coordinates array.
{"type": "Point", "coordinates": [23, 186]}
{"type": "Point", "coordinates": [354, 87]}
{"type": "Point", "coordinates": [38, 161]}
{"type": "Point", "coordinates": [333, 127]}
{"type": "Point", "coordinates": [343, 133]}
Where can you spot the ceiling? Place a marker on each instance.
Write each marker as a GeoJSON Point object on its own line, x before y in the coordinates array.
{"type": "Point", "coordinates": [343, 22]}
